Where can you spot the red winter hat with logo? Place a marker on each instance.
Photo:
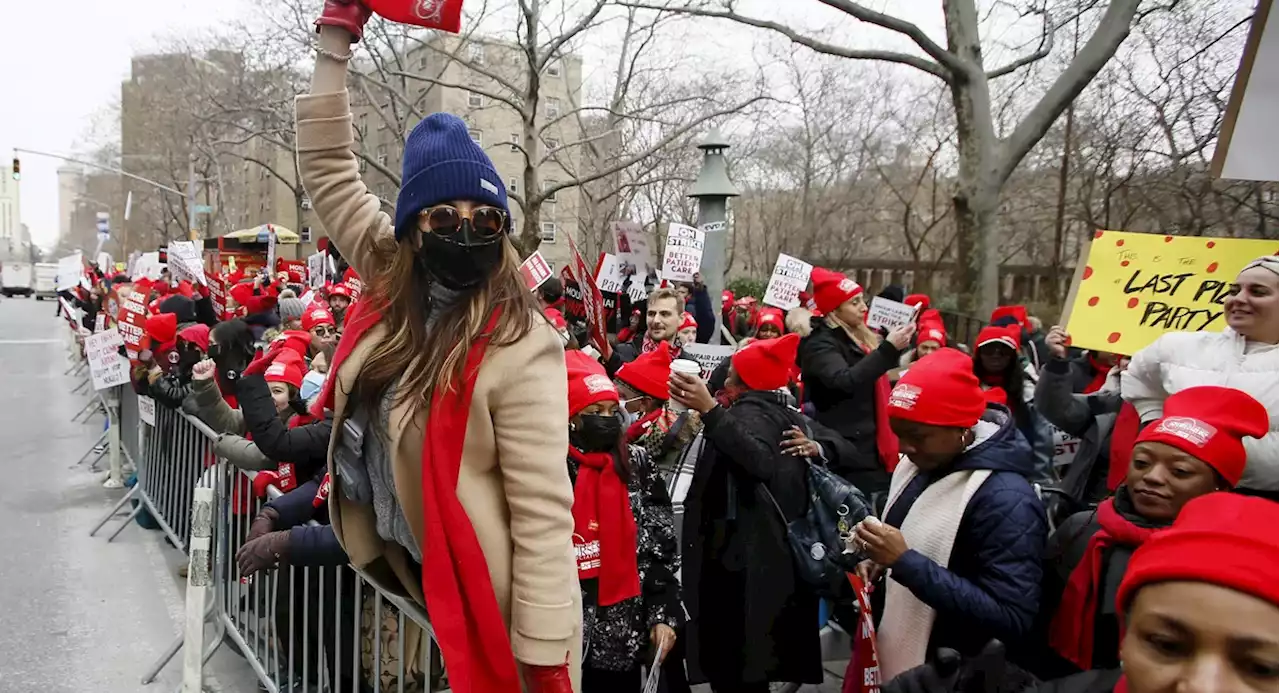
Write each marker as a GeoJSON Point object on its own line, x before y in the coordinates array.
{"type": "Point", "coordinates": [687, 322]}
{"type": "Point", "coordinates": [338, 290]}
{"type": "Point", "coordinates": [939, 390]}
{"type": "Point", "coordinates": [921, 300]}
{"type": "Point", "coordinates": [286, 368]}
{"type": "Point", "coordinates": [767, 364]}
{"type": "Point", "coordinates": [770, 316]}
{"type": "Point", "coordinates": [1004, 315]}
{"type": "Point", "coordinates": [1208, 423]}
{"type": "Point", "coordinates": [316, 314]}
{"type": "Point", "coordinates": [1220, 538]}
{"type": "Point", "coordinates": [588, 382]}
{"type": "Point", "coordinates": [1009, 336]}
{"type": "Point", "coordinates": [162, 328]}
{"type": "Point", "coordinates": [197, 335]}
{"type": "Point", "coordinates": [649, 373]}
{"type": "Point", "coordinates": [931, 331]}
{"type": "Point", "coordinates": [831, 289]}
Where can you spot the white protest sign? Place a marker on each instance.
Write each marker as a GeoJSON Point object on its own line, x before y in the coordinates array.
{"type": "Point", "coordinates": [682, 257]}
{"type": "Point", "coordinates": [634, 251]}
{"type": "Point", "coordinates": [609, 275]}
{"type": "Point", "coordinates": [147, 410]}
{"type": "Point", "coordinates": [100, 323]}
{"type": "Point", "coordinates": [185, 261]}
{"type": "Point", "coordinates": [271, 248]}
{"type": "Point", "coordinates": [107, 367]}
{"type": "Point", "coordinates": [70, 268]}
{"type": "Point", "coordinates": [535, 270]}
{"type": "Point", "coordinates": [708, 356]}
{"type": "Point", "coordinates": [1065, 447]}
{"type": "Point", "coordinates": [637, 291]}
{"type": "Point", "coordinates": [889, 314]}
{"type": "Point", "coordinates": [315, 270]}
{"type": "Point", "coordinates": [790, 277]}
{"type": "Point", "coordinates": [148, 265]}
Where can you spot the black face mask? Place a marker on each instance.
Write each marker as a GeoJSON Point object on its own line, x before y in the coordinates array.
{"type": "Point", "coordinates": [597, 433]}
{"type": "Point", "coordinates": [189, 357]}
{"type": "Point", "coordinates": [462, 260]}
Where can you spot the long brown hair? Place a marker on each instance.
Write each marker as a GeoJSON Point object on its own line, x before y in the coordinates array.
{"type": "Point", "coordinates": [417, 360]}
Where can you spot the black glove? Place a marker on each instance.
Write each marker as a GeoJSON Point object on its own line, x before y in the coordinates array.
{"type": "Point", "coordinates": [264, 552]}
{"type": "Point", "coordinates": [991, 672]}
{"type": "Point", "coordinates": [263, 523]}
{"type": "Point", "coordinates": [938, 676]}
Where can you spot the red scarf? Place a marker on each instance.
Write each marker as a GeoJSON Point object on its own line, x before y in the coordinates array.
{"type": "Point", "coordinates": [1123, 434]}
{"type": "Point", "coordinates": [1100, 373]}
{"type": "Point", "coordinates": [1071, 633]}
{"type": "Point", "coordinates": [604, 529]}
{"type": "Point", "coordinates": [455, 576]}
{"type": "Point", "coordinates": [643, 424]}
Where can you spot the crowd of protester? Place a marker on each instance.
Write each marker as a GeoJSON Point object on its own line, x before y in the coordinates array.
{"type": "Point", "coordinates": [418, 408]}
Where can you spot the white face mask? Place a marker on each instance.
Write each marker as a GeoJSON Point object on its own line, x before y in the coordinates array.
{"type": "Point", "coordinates": [628, 417]}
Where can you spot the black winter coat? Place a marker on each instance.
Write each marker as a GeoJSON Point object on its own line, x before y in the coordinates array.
{"type": "Point", "coordinates": [306, 446]}
{"type": "Point", "coordinates": [170, 389]}
{"type": "Point", "coordinates": [309, 544]}
{"type": "Point", "coordinates": [840, 381]}
{"type": "Point", "coordinates": [752, 619]}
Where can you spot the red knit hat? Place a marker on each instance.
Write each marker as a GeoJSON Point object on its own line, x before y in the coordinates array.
{"type": "Point", "coordinates": [687, 322]}
{"type": "Point", "coordinates": [921, 300]}
{"type": "Point", "coordinates": [766, 364]}
{"type": "Point", "coordinates": [162, 328]}
{"type": "Point", "coordinates": [1207, 422]}
{"type": "Point", "coordinates": [831, 289]}
{"type": "Point", "coordinates": [316, 314]}
{"type": "Point", "coordinates": [931, 332]}
{"type": "Point", "coordinates": [1220, 538]}
{"type": "Point", "coordinates": [939, 390]}
{"type": "Point", "coordinates": [996, 395]}
{"type": "Point", "coordinates": [286, 368]}
{"type": "Point", "coordinates": [649, 373]}
{"type": "Point", "coordinates": [770, 316]}
{"type": "Point", "coordinates": [726, 300]}
{"type": "Point", "coordinates": [185, 289]}
{"type": "Point", "coordinates": [1002, 314]}
{"type": "Point", "coordinates": [556, 318]}
{"type": "Point", "coordinates": [338, 290]}
{"type": "Point", "coordinates": [197, 335]}
{"type": "Point", "coordinates": [588, 382]}
{"type": "Point", "coordinates": [1008, 336]}
{"type": "Point", "coordinates": [295, 277]}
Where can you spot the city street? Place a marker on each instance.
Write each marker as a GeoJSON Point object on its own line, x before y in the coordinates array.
{"type": "Point", "coordinates": [79, 614]}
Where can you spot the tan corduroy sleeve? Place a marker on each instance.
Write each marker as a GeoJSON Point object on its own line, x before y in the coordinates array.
{"type": "Point", "coordinates": [529, 414]}
{"type": "Point", "coordinates": [351, 215]}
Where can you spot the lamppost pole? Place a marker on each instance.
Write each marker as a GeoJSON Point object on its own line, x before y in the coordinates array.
{"type": "Point", "coordinates": [712, 190]}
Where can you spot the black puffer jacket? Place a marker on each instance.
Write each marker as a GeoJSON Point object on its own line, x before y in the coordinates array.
{"type": "Point", "coordinates": [840, 381]}
{"type": "Point", "coordinates": [306, 446]}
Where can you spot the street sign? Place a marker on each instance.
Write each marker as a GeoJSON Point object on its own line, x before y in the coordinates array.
{"type": "Point", "coordinates": [204, 209]}
{"type": "Point", "coordinates": [104, 224]}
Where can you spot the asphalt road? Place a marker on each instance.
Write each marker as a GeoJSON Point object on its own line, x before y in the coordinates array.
{"type": "Point", "coordinates": [76, 613]}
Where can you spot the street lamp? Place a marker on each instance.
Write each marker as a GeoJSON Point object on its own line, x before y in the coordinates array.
{"type": "Point", "coordinates": [712, 190]}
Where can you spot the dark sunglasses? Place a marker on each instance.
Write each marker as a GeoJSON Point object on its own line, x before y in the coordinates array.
{"type": "Point", "coordinates": [446, 220]}
{"type": "Point", "coordinates": [323, 331]}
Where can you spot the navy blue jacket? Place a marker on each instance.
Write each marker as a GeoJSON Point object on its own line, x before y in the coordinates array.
{"type": "Point", "coordinates": [699, 306]}
{"type": "Point", "coordinates": [991, 587]}
{"type": "Point", "coordinates": [308, 544]}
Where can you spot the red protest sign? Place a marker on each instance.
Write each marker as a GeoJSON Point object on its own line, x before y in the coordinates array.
{"type": "Point", "coordinates": [572, 295]}
{"type": "Point", "coordinates": [132, 323]}
{"type": "Point", "coordinates": [218, 296]}
{"type": "Point", "coordinates": [535, 271]}
{"type": "Point", "coordinates": [592, 300]}
{"type": "Point", "coordinates": [445, 15]}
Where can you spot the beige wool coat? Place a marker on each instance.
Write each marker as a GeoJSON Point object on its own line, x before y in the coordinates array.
{"type": "Point", "coordinates": [513, 481]}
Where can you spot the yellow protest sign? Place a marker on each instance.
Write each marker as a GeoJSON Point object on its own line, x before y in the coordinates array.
{"type": "Point", "coordinates": [1136, 286]}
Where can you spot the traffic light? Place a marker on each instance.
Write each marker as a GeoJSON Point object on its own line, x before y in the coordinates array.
{"type": "Point", "coordinates": [17, 169]}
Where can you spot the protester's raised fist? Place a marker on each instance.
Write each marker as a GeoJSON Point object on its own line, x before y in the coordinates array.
{"type": "Point", "coordinates": [203, 370]}
{"type": "Point", "coordinates": [345, 14]}
{"type": "Point", "coordinates": [1057, 340]}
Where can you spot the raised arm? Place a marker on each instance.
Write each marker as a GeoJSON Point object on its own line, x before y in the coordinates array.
{"type": "Point", "coordinates": [351, 215]}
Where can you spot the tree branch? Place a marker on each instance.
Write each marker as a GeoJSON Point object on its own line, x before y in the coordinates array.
{"type": "Point", "coordinates": [946, 58]}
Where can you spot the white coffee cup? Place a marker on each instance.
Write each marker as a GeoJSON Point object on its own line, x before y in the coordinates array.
{"type": "Point", "coordinates": [688, 367]}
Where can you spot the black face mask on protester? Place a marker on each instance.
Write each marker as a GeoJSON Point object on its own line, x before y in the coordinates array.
{"type": "Point", "coordinates": [462, 260]}
{"type": "Point", "coordinates": [597, 433]}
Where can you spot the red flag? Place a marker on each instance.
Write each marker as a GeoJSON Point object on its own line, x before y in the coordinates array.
{"type": "Point", "coordinates": [592, 300]}
{"type": "Point", "coordinates": [445, 15]}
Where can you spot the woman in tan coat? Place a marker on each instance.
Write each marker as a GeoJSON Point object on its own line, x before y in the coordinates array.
{"type": "Point", "coordinates": [449, 396]}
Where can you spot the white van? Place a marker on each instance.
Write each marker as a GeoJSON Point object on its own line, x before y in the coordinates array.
{"type": "Point", "coordinates": [16, 278]}
{"type": "Point", "coordinates": [46, 280]}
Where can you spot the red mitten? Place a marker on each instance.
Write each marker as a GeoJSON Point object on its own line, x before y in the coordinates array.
{"type": "Point", "coordinates": [547, 679]}
{"type": "Point", "coordinates": [445, 15]}
{"type": "Point", "coordinates": [344, 14]}
{"type": "Point", "coordinates": [261, 481]}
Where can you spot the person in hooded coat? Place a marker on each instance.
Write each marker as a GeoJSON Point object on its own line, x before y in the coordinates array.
{"type": "Point", "coordinates": [1194, 450]}
{"type": "Point", "coordinates": [963, 532]}
{"type": "Point", "coordinates": [753, 621]}
{"type": "Point", "coordinates": [174, 387]}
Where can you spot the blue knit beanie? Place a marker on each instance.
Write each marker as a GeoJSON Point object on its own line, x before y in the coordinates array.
{"type": "Point", "coordinates": [442, 163]}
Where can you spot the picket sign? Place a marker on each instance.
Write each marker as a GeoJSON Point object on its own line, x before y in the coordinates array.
{"type": "Point", "coordinates": [634, 252]}
{"type": "Point", "coordinates": [889, 314]}
{"type": "Point", "coordinates": [535, 271]}
{"type": "Point", "coordinates": [637, 291]}
{"type": "Point", "coordinates": [148, 265]}
{"type": "Point", "coordinates": [592, 300]}
{"type": "Point", "coordinates": [682, 257]}
{"type": "Point", "coordinates": [315, 270]}
{"type": "Point", "coordinates": [790, 277]}
{"type": "Point", "coordinates": [609, 276]}
{"type": "Point", "coordinates": [69, 270]}
{"type": "Point", "coordinates": [106, 366]}
{"type": "Point", "coordinates": [708, 356]}
{"type": "Point", "coordinates": [185, 262]}
{"type": "Point", "coordinates": [271, 248]}
{"type": "Point", "coordinates": [147, 410]}
{"type": "Point", "coordinates": [131, 323]}
{"type": "Point", "coordinates": [1065, 447]}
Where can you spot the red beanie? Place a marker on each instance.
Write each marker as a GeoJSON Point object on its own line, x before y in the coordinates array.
{"type": "Point", "coordinates": [1017, 313]}
{"type": "Point", "coordinates": [931, 332]}
{"type": "Point", "coordinates": [996, 395]}
{"type": "Point", "coordinates": [154, 307]}
{"type": "Point", "coordinates": [726, 299]}
{"type": "Point", "coordinates": [1220, 538]}
{"type": "Point", "coordinates": [556, 318]}
{"type": "Point", "coordinates": [295, 277]}
{"type": "Point", "coordinates": [197, 335]}
{"type": "Point", "coordinates": [162, 327]}
{"type": "Point", "coordinates": [770, 316]}
{"type": "Point", "coordinates": [649, 373]}
{"type": "Point", "coordinates": [921, 300]}
{"type": "Point", "coordinates": [185, 289]}
{"type": "Point", "coordinates": [588, 382]}
{"type": "Point", "coordinates": [687, 322]}
{"type": "Point", "coordinates": [286, 368]}
{"type": "Point", "coordinates": [766, 364]}
{"type": "Point", "coordinates": [1008, 336]}
{"type": "Point", "coordinates": [1207, 422]}
{"type": "Point", "coordinates": [338, 290]}
{"type": "Point", "coordinates": [831, 289]}
{"type": "Point", "coordinates": [316, 314]}
{"type": "Point", "coordinates": [939, 390]}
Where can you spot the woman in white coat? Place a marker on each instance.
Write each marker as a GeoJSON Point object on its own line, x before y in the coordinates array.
{"type": "Point", "coordinates": [1243, 356]}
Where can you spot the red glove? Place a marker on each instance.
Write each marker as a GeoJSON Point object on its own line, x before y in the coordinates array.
{"type": "Point", "coordinates": [261, 481]}
{"type": "Point", "coordinates": [263, 361]}
{"type": "Point", "coordinates": [345, 14]}
{"type": "Point", "coordinates": [547, 679]}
